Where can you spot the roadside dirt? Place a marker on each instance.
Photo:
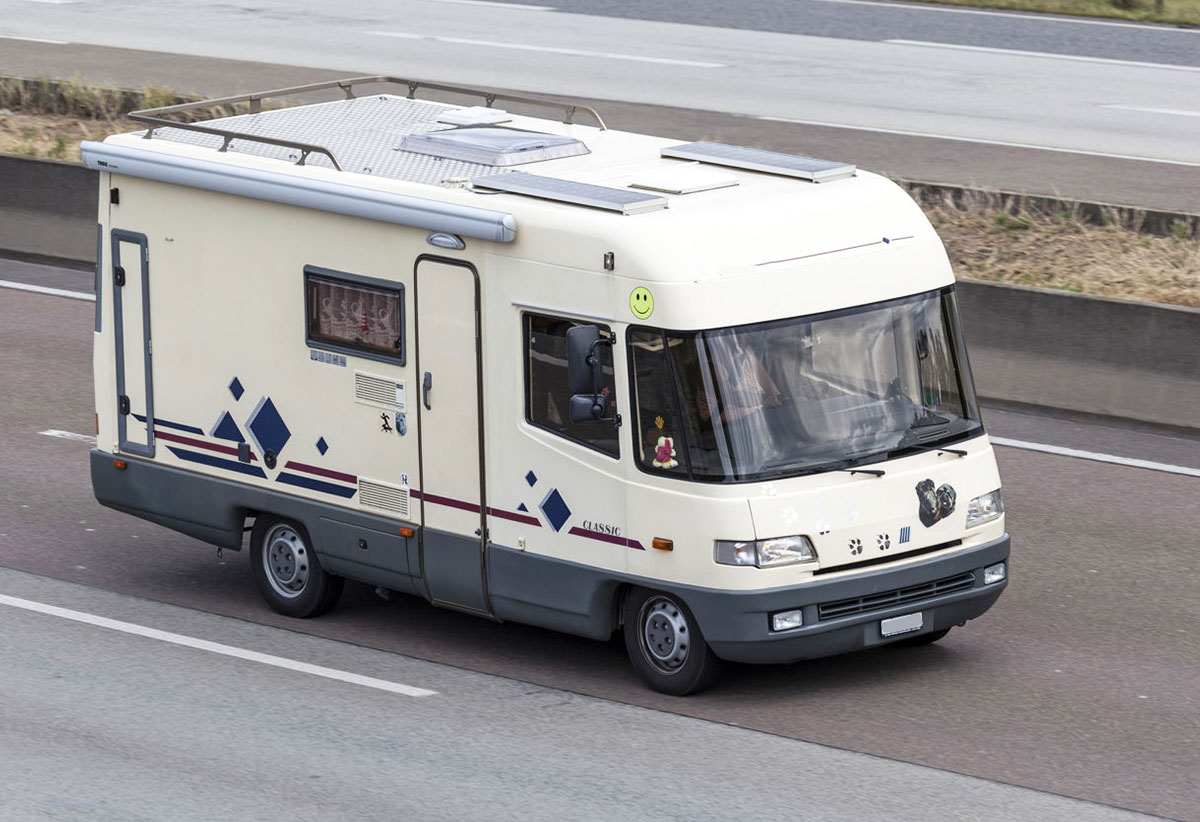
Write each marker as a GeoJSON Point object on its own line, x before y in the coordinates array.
{"type": "Point", "coordinates": [984, 242]}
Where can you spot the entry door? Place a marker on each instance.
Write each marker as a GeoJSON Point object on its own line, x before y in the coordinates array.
{"type": "Point", "coordinates": [450, 432]}
{"type": "Point", "coordinates": [134, 350]}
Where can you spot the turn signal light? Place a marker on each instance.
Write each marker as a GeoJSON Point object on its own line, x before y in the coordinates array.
{"type": "Point", "coordinates": [408, 532]}
{"type": "Point", "coordinates": [663, 544]}
{"type": "Point", "coordinates": [120, 465]}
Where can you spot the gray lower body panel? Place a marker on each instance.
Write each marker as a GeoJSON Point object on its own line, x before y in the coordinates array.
{"type": "Point", "coordinates": [351, 544]}
{"type": "Point", "coordinates": [566, 596]}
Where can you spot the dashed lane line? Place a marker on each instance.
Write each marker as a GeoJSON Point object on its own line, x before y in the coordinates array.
{"type": "Point", "coordinates": [1094, 456]}
{"type": "Point", "coordinates": [214, 647]}
{"type": "Point", "coordinates": [54, 292]}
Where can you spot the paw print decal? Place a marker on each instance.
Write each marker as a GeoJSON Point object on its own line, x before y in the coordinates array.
{"type": "Point", "coordinates": [884, 541]}
{"type": "Point", "coordinates": [856, 546]}
{"type": "Point", "coordinates": [823, 527]}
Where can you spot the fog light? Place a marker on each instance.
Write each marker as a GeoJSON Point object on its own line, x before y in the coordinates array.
{"type": "Point", "coordinates": [994, 573]}
{"type": "Point", "coordinates": [786, 620]}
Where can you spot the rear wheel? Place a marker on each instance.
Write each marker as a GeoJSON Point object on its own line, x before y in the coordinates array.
{"type": "Point", "coordinates": [665, 645]}
{"type": "Point", "coordinates": [287, 571]}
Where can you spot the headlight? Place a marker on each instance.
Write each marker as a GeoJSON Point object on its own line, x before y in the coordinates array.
{"type": "Point", "coordinates": [766, 553]}
{"type": "Point", "coordinates": [984, 509]}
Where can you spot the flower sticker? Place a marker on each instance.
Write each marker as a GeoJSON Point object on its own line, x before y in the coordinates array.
{"type": "Point", "coordinates": [664, 453]}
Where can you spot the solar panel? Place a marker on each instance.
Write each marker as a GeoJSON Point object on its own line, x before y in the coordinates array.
{"type": "Point", "coordinates": [568, 191]}
{"type": "Point", "coordinates": [753, 159]}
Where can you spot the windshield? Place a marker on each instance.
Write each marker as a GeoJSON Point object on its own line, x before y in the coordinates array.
{"type": "Point", "coordinates": [794, 396]}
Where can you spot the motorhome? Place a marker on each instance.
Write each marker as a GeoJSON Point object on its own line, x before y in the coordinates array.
{"type": "Point", "coordinates": [535, 369]}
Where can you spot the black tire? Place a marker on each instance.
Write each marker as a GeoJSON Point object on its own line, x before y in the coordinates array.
{"type": "Point", "coordinates": [287, 571]}
{"type": "Point", "coordinates": [923, 639]}
{"type": "Point", "coordinates": [665, 645]}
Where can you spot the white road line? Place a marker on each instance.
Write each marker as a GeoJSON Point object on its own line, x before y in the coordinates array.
{"type": "Point", "coordinates": [462, 41]}
{"type": "Point", "coordinates": [521, 6]}
{"type": "Point", "coordinates": [69, 435]}
{"type": "Point", "coordinates": [34, 40]}
{"type": "Point", "coordinates": [214, 647]}
{"type": "Point", "coordinates": [1047, 54]}
{"type": "Point", "coordinates": [1179, 112]}
{"type": "Point", "coordinates": [52, 2]}
{"type": "Point", "coordinates": [1041, 18]}
{"type": "Point", "coordinates": [54, 292]}
{"type": "Point", "coordinates": [1096, 457]}
{"type": "Point", "coordinates": [977, 140]}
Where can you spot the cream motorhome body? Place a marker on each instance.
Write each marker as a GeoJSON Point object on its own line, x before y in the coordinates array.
{"type": "Point", "coordinates": [544, 372]}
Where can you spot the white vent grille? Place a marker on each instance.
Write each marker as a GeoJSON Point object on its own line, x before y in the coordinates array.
{"type": "Point", "coordinates": [384, 497]}
{"type": "Point", "coordinates": [372, 390]}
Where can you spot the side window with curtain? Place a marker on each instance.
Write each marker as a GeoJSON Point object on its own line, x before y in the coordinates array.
{"type": "Point", "coordinates": [660, 438]}
{"type": "Point", "coordinates": [356, 315]}
{"type": "Point", "coordinates": [547, 392]}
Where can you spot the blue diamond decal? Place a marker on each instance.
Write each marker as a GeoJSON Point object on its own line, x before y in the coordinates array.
{"type": "Point", "coordinates": [322, 446]}
{"type": "Point", "coordinates": [555, 509]}
{"type": "Point", "coordinates": [531, 478]}
{"type": "Point", "coordinates": [267, 427]}
{"type": "Point", "coordinates": [236, 389]}
{"type": "Point", "coordinates": [226, 429]}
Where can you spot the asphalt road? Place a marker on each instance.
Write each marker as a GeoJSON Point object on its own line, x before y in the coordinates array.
{"type": "Point", "coordinates": [879, 20]}
{"type": "Point", "coordinates": [932, 159]}
{"type": "Point", "coordinates": [1080, 682]}
{"type": "Point", "coordinates": [151, 729]}
{"type": "Point", "coordinates": [1103, 106]}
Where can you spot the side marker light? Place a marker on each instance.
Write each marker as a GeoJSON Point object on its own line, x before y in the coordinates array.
{"type": "Point", "coordinates": [408, 532]}
{"type": "Point", "coordinates": [663, 544]}
{"type": "Point", "coordinates": [120, 465]}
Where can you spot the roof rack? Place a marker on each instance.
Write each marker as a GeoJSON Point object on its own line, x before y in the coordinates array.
{"type": "Point", "coordinates": [155, 119]}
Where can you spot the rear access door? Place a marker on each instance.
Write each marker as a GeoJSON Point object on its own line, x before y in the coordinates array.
{"type": "Point", "coordinates": [450, 430]}
{"type": "Point", "coordinates": [134, 349]}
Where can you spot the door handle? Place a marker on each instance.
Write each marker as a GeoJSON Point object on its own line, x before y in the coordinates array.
{"type": "Point", "coordinates": [426, 387]}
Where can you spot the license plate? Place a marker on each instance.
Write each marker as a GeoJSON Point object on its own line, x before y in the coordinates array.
{"type": "Point", "coordinates": [901, 624]}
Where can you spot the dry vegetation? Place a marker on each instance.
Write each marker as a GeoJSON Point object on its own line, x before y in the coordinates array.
{"type": "Point", "coordinates": [1186, 12]}
{"type": "Point", "coordinates": [992, 240]}
{"type": "Point", "coordinates": [989, 237]}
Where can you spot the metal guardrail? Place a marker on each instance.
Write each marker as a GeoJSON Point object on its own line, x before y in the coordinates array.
{"type": "Point", "coordinates": [154, 117]}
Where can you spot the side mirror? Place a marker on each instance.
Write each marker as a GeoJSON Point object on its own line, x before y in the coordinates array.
{"type": "Point", "coordinates": [582, 370]}
{"type": "Point", "coordinates": [585, 373]}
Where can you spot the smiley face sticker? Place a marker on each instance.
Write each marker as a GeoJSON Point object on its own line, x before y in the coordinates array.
{"type": "Point", "coordinates": [641, 303]}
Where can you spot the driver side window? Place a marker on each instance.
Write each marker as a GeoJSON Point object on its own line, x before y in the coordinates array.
{"type": "Point", "coordinates": [547, 390]}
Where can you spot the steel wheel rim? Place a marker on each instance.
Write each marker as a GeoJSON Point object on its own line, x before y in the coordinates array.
{"type": "Point", "coordinates": [286, 561]}
{"type": "Point", "coordinates": [664, 634]}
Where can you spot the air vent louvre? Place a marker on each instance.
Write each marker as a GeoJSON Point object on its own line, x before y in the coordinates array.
{"type": "Point", "coordinates": [391, 498]}
{"type": "Point", "coordinates": [378, 391]}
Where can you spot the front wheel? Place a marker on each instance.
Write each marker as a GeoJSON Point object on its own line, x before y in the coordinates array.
{"type": "Point", "coordinates": [665, 645]}
{"type": "Point", "coordinates": [287, 571]}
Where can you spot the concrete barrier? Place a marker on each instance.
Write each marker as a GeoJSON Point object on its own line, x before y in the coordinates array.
{"type": "Point", "coordinates": [1036, 346]}
{"type": "Point", "coordinates": [48, 209]}
{"type": "Point", "coordinates": [1033, 346]}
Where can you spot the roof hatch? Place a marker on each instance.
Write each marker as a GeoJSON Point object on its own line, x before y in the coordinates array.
{"type": "Point", "coordinates": [569, 191]}
{"type": "Point", "coordinates": [493, 145]}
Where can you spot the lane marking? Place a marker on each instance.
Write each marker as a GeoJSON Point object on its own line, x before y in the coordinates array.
{"type": "Point", "coordinates": [54, 292]}
{"type": "Point", "coordinates": [34, 40]}
{"type": "Point", "coordinates": [68, 435]}
{"type": "Point", "coordinates": [521, 6]}
{"type": "Point", "coordinates": [1179, 112]}
{"type": "Point", "coordinates": [52, 2]}
{"type": "Point", "coordinates": [463, 41]}
{"type": "Point", "coordinates": [214, 647]}
{"type": "Point", "coordinates": [1047, 54]}
{"type": "Point", "coordinates": [1041, 18]}
{"type": "Point", "coordinates": [1096, 457]}
{"type": "Point", "coordinates": [978, 140]}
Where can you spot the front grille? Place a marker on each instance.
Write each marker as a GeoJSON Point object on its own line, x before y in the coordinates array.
{"type": "Point", "coordinates": [900, 596]}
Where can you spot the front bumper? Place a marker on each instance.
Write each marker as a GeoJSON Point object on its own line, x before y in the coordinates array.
{"type": "Point", "coordinates": [737, 623]}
